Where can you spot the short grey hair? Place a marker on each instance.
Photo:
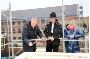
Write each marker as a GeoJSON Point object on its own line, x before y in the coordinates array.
{"type": "Point", "coordinates": [34, 19]}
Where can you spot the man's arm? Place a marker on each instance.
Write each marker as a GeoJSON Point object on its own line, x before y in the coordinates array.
{"type": "Point", "coordinates": [25, 36]}
{"type": "Point", "coordinates": [40, 33]}
{"type": "Point", "coordinates": [46, 31]}
{"type": "Point", "coordinates": [60, 34]}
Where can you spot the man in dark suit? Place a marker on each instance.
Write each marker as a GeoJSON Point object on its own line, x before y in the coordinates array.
{"type": "Point", "coordinates": [30, 31]}
{"type": "Point", "coordinates": [53, 31]}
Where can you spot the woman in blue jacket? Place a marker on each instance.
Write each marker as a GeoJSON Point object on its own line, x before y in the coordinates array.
{"type": "Point", "coordinates": [73, 34]}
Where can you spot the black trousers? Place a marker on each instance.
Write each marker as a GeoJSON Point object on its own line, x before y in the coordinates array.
{"type": "Point", "coordinates": [29, 48]}
{"type": "Point", "coordinates": [52, 48]}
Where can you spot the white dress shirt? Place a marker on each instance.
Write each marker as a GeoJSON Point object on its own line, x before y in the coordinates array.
{"type": "Point", "coordinates": [52, 27]}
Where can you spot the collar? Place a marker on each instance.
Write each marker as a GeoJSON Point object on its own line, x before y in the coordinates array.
{"type": "Point", "coordinates": [30, 27]}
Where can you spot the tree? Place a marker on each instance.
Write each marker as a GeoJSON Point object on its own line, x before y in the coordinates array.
{"type": "Point", "coordinates": [84, 25]}
{"type": "Point", "coordinates": [15, 45]}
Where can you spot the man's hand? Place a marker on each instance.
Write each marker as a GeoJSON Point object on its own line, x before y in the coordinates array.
{"type": "Point", "coordinates": [43, 38]}
{"type": "Point", "coordinates": [71, 36]}
{"type": "Point", "coordinates": [30, 44]}
{"type": "Point", "coordinates": [52, 38]}
{"type": "Point", "coordinates": [49, 38]}
{"type": "Point", "coordinates": [36, 41]}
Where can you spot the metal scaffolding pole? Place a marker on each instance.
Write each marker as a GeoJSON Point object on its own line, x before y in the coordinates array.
{"type": "Point", "coordinates": [79, 17]}
{"type": "Point", "coordinates": [8, 37]}
{"type": "Point", "coordinates": [11, 30]}
{"type": "Point", "coordinates": [7, 19]}
{"type": "Point", "coordinates": [63, 19]}
{"type": "Point", "coordinates": [82, 16]}
{"type": "Point", "coordinates": [5, 16]}
{"type": "Point", "coordinates": [78, 14]}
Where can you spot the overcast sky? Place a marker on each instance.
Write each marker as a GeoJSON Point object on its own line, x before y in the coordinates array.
{"type": "Point", "coordinates": [33, 4]}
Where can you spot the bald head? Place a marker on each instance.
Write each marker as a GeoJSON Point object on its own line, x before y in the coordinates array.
{"type": "Point", "coordinates": [34, 22]}
{"type": "Point", "coordinates": [34, 19]}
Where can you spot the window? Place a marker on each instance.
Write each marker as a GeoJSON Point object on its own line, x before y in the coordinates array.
{"type": "Point", "coordinates": [18, 22]}
{"type": "Point", "coordinates": [39, 22]}
{"type": "Point", "coordinates": [42, 21]}
{"type": "Point", "coordinates": [2, 23]}
{"type": "Point", "coordinates": [5, 23]}
{"type": "Point", "coordinates": [19, 30]}
{"type": "Point", "coordinates": [47, 21]}
{"type": "Point", "coordinates": [9, 31]}
{"type": "Point", "coordinates": [14, 38]}
{"type": "Point", "coordinates": [24, 22]}
{"type": "Point", "coordinates": [9, 23]}
{"type": "Point", "coordinates": [14, 31]}
{"type": "Point", "coordinates": [3, 30]}
{"type": "Point", "coordinates": [13, 23]}
{"type": "Point", "coordinates": [19, 38]}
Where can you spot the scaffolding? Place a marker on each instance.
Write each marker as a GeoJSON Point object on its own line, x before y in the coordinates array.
{"type": "Point", "coordinates": [3, 44]}
{"type": "Point", "coordinates": [9, 19]}
{"type": "Point", "coordinates": [63, 19]}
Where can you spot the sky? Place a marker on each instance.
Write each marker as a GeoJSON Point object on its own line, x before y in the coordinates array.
{"type": "Point", "coordinates": [33, 4]}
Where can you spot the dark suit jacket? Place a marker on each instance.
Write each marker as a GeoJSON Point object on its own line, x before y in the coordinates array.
{"type": "Point", "coordinates": [29, 33]}
{"type": "Point", "coordinates": [57, 32]}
